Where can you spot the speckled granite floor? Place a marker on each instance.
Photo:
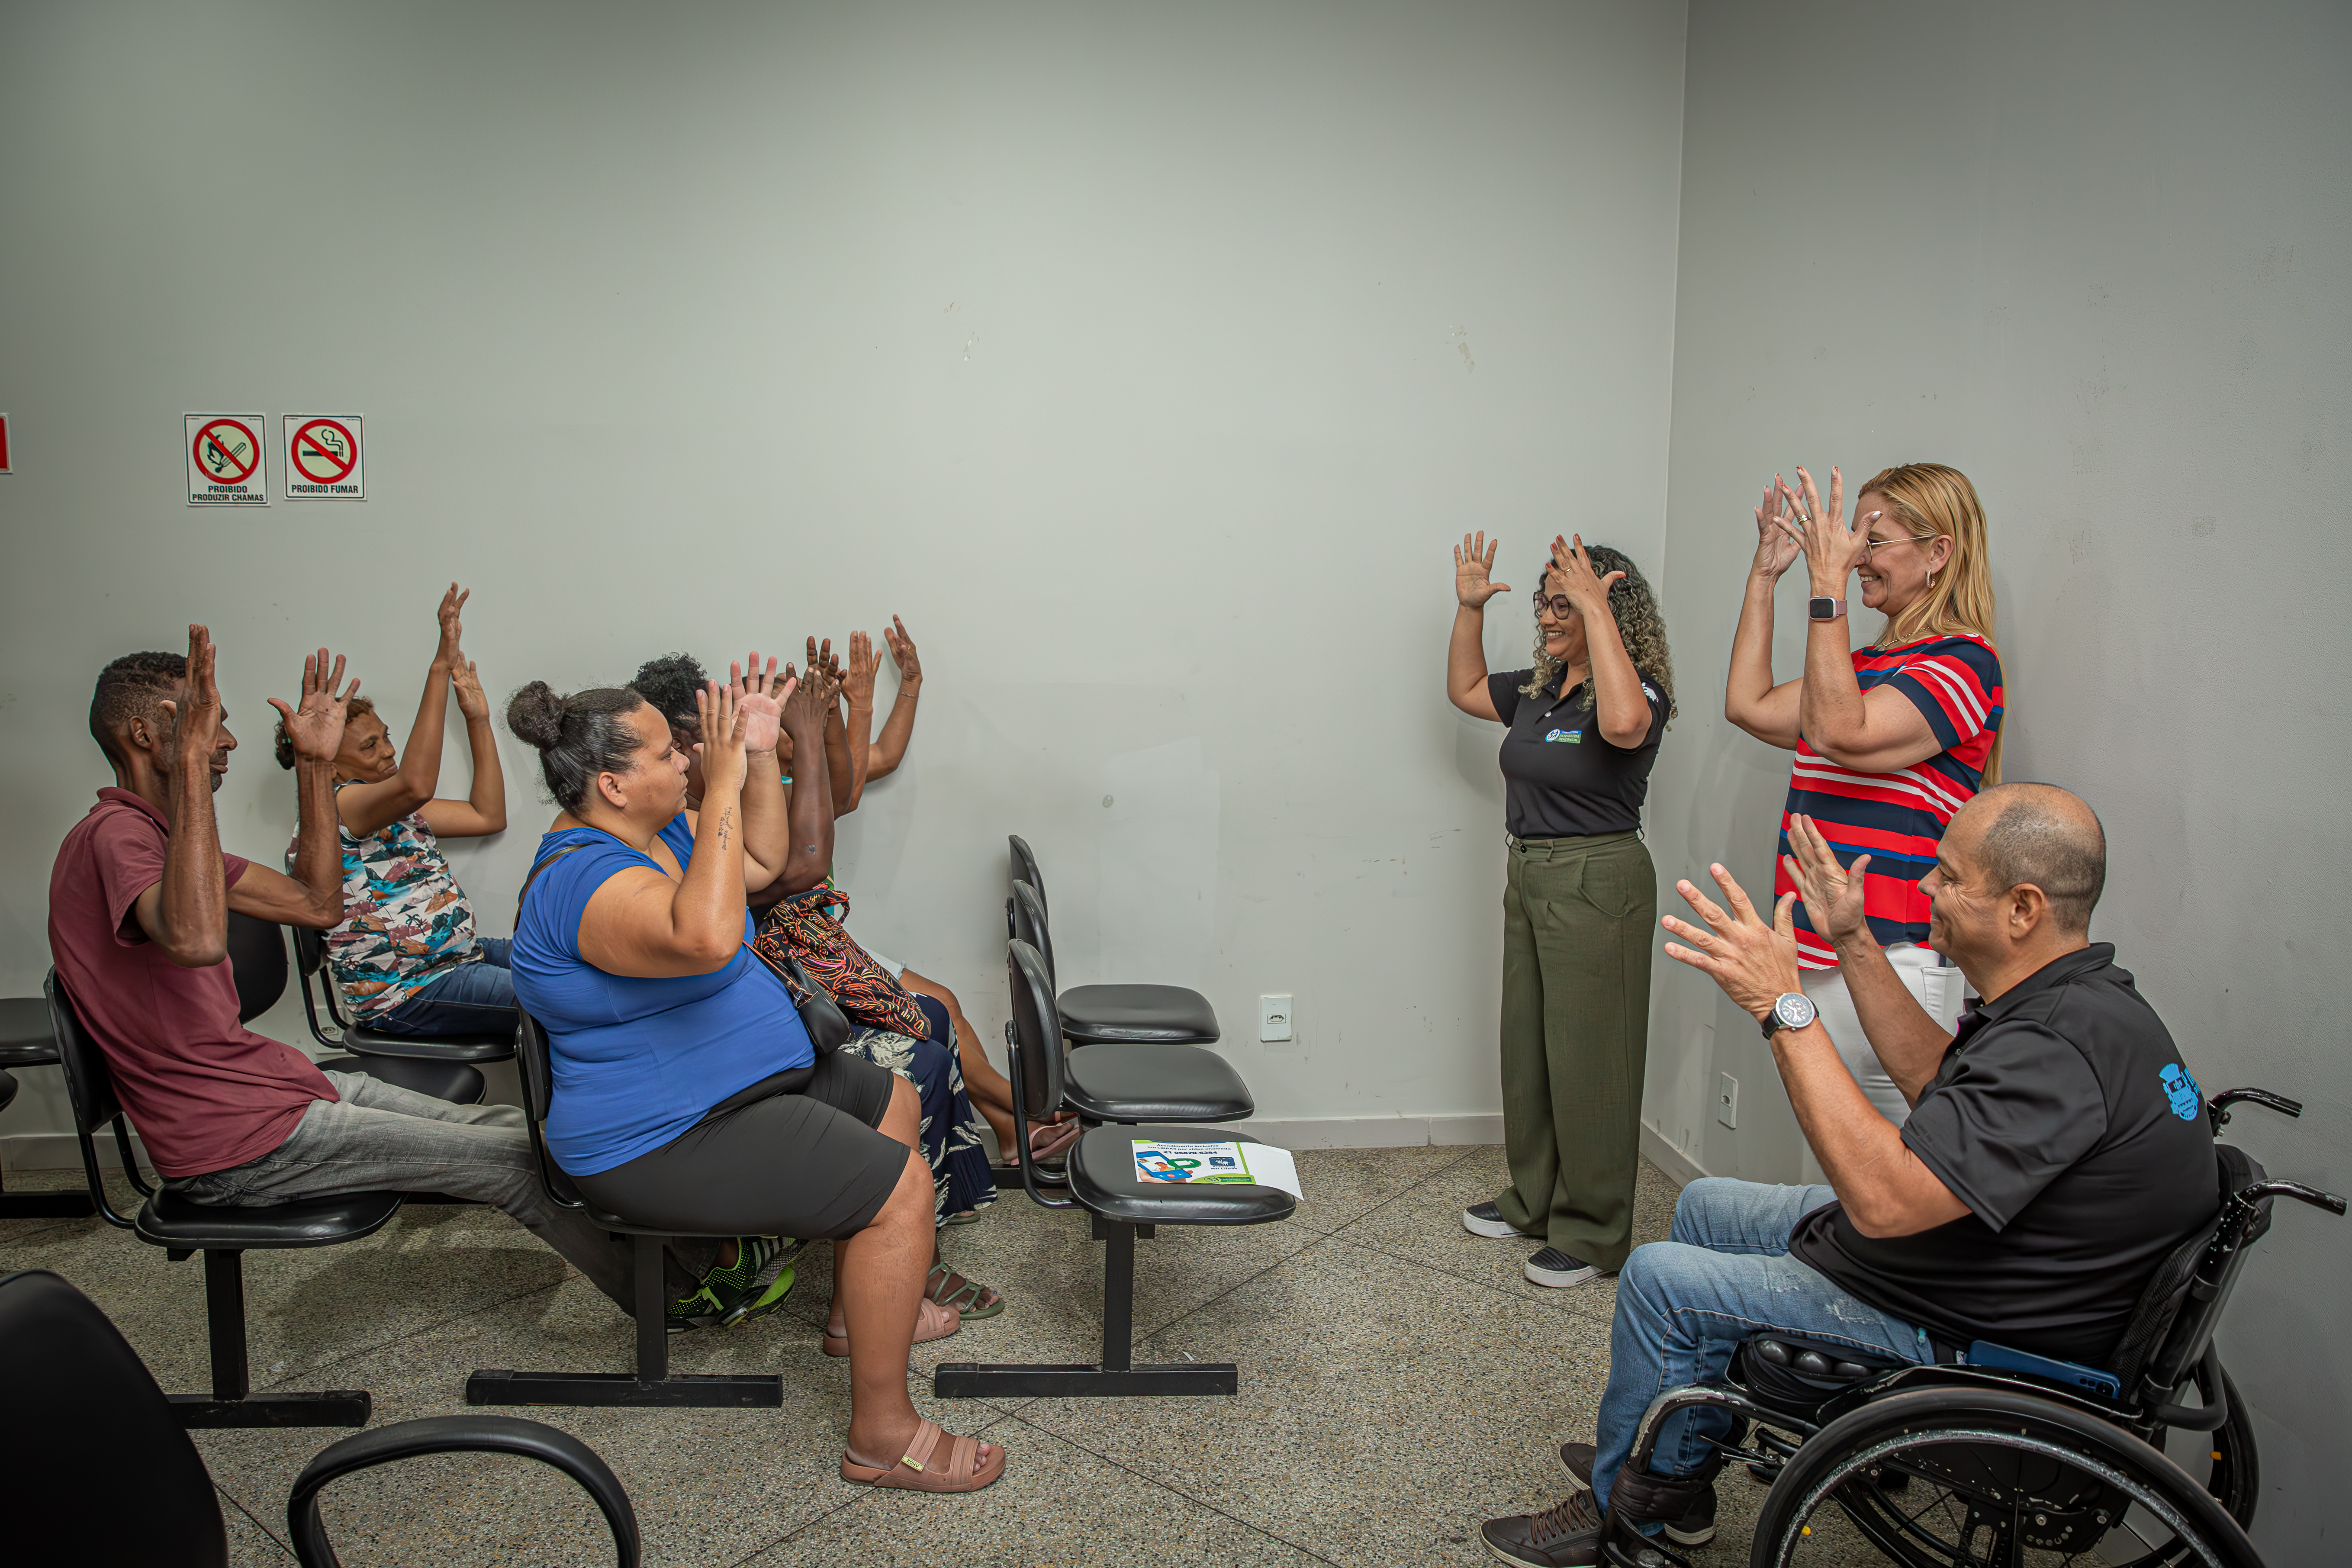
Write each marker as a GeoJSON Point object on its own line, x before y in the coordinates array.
{"type": "Point", "coordinates": [1400, 1382]}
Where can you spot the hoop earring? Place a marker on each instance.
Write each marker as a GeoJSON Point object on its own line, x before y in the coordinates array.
{"type": "Point", "coordinates": [1931, 579]}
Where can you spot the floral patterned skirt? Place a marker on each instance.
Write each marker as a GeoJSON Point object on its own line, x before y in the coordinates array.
{"type": "Point", "coordinates": [950, 1134]}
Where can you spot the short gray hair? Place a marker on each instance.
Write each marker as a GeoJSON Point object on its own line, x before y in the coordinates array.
{"type": "Point", "coordinates": [2052, 838]}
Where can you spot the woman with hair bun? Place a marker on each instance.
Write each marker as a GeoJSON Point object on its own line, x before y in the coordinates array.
{"type": "Point", "coordinates": [1579, 894]}
{"type": "Point", "coordinates": [687, 1092]}
{"type": "Point", "coordinates": [1893, 738]}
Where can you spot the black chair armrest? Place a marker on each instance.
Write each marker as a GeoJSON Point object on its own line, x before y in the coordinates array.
{"type": "Point", "coordinates": [454, 1434]}
{"type": "Point", "coordinates": [491, 1044]}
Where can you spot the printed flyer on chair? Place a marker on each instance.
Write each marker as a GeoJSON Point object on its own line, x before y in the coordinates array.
{"type": "Point", "coordinates": [1230, 1164]}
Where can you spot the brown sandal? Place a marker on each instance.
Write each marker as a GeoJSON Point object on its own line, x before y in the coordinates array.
{"type": "Point", "coordinates": [962, 1471]}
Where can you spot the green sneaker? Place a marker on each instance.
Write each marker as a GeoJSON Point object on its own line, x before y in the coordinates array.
{"type": "Point", "coordinates": [699, 1311]}
{"type": "Point", "coordinates": [757, 1282]}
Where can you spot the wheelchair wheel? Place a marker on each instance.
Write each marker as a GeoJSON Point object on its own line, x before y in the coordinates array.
{"type": "Point", "coordinates": [1966, 1477]}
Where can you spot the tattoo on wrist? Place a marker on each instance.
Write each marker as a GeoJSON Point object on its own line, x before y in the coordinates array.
{"type": "Point", "coordinates": [726, 826]}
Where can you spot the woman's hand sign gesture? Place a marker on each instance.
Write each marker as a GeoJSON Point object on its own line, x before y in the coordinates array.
{"type": "Point", "coordinates": [1585, 588]}
{"type": "Point", "coordinates": [315, 728]}
{"type": "Point", "coordinates": [1832, 550]}
{"type": "Point", "coordinates": [722, 722]}
{"type": "Point", "coordinates": [760, 697]}
{"type": "Point", "coordinates": [858, 684]}
{"type": "Point", "coordinates": [448, 655]}
{"type": "Point", "coordinates": [902, 648]}
{"type": "Point", "coordinates": [1777, 537]}
{"type": "Point", "coordinates": [1833, 893]}
{"type": "Point", "coordinates": [1473, 560]}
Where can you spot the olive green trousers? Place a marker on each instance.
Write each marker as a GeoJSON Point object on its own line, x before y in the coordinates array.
{"type": "Point", "coordinates": [1579, 919]}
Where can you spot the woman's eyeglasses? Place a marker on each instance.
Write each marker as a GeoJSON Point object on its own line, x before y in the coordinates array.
{"type": "Point", "coordinates": [1562, 605]}
{"type": "Point", "coordinates": [1876, 544]}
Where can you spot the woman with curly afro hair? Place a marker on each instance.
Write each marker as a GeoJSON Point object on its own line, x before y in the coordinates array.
{"type": "Point", "coordinates": [1579, 895]}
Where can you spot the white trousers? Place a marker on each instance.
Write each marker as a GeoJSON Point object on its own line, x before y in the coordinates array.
{"type": "Point", "coordinates": [1937, 988]}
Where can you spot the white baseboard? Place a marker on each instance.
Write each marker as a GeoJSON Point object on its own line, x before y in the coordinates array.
{"type": "Point", "coordinates": [1681, 1167]}
{"type": "Point", "coordinates": [60, 1152]}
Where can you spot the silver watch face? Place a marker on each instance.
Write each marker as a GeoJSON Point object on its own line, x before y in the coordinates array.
{"type": "Point", "coordinates": [1795, 1009]}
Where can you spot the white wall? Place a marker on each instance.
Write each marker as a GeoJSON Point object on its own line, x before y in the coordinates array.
{"type": "Point", "coordinates": [1143, 358]}
{"type": "Point", "coordinates": [2097, 257]}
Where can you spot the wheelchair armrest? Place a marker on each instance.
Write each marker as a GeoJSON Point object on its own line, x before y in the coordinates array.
{"type": "Point", "coordinates": [453, 1434]}
{"type": "Point", "coordinates": [2214, 1414]}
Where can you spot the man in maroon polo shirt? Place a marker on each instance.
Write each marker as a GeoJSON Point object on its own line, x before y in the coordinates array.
{"type": "Point", "coordinates": [139, 906]}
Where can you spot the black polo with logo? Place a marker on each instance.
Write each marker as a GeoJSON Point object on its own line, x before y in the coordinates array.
{"type": "Point", "coordinates": [2067, 1120]}
{"type": "Point", "coordinates": [1560, 778]}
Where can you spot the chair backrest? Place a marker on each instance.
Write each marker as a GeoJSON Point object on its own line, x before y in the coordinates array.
{"type": "Point", "coordinates": [538, 1074]}
{"type": "Point", "coordinates": [2181, 1306]}
{"type": "Point", "coordinates": [1024, 866]}
{"type": "Point", "coordinates": [1029, 925]}
{"type": "Point", "coordinates": [84, 1413]}
{"type": "Point", "coordinates": [1037, 1028]}
{"type": "Point", "coordinates": [89, 1085]}
{"type": "Point", "coordinates": [256, 956]}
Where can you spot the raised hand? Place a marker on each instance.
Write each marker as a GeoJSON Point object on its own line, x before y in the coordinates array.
{"type": "Point", "coordinates": [822, 659]}
{"type": "Point", "coordinates": [1585, 588]}
{"type": "Point", "coordinates": [902, 648]}
{"type": "Point", "coordinates": [723, 723]}
{"type": "Point", "coordinates": [315, 728]}
{"type": "Point", "coordinates": [1755, 964]}
{"type": "Point", "coordinates": [1832, 550]}
{"type": "Point", "coordinates": [761, 696]}
{"type": "Point", "coordinates": [1473, 560]}
{"type": "Point", "coordinates": [466, 684]}
{"type": "Point", "coordinates": [452, 603]}
{"type": "Point", "coordinates": [1777, 537]}
{"type": "Point", "coordinates": [196, 715]}
{"type": "Point", "coordinates": [1833, 893]}
{"type": "Point", "coordinates": [857, 685]}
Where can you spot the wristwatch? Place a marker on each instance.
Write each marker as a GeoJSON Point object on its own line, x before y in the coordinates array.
{"type": "Point", "coordinates": [1825, 609]}
{"type": "Point", "coordinates": [1790, 1010]}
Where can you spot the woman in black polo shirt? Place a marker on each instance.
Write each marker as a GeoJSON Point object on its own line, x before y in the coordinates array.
{"type": "Point", "coordinates": [1580, 897]}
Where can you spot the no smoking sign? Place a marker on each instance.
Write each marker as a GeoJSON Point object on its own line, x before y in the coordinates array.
{"type": "Point", "coordinates": [226, 465]}
{"type": "Point", "coordinates": [325, 456]}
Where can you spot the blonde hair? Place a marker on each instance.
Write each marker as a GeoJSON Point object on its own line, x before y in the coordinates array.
{"type": "Point", "coordinates": [1937, 498]}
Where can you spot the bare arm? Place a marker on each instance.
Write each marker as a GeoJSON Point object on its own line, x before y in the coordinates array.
{"type": "Point", "coordinates": [185, 912]}
{"type": "Point", "coordinates": [760, 695]}
{"type": "Point", "coordinates": [857, 692]}
{"type": "Point", "coordinates": [1906, 1037]}
{"type": "Point", "coordinates": [1750, 700]}
{"type": "Point", "coordinates": [484, 810]}
{"type": "Point", "coordinates": [1620, 710]}
{"type": "Point", "coordinates": [890, 749]}
{"type": "Point", "coordinates": [367, 808]}
{"type": "Point", "coordinates": [1885, 1189]}
{"type": "Point", "coordinates": [1877, 733]}
{"type": "Point", "coordinates": [641, 923]}
{"type": "Point", "coordinates": [1466, 648]}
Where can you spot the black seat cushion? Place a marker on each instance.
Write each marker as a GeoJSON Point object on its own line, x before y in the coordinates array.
{"type": "Point", "coordinates": [1104, 1179]}
{"type": "Point", "coordinates": [457, 1082]}
{"type": "Point", "coordinates": [1146, 1014]}
{"type": "Point", "coordinates": [167, 1219]}
{"type": "Point", "coordinates": [486, 1046]}
{"type": "Point", "coordinates": [1154, 1083]}
{"type": "Point", "coordinates": [25, 1039]}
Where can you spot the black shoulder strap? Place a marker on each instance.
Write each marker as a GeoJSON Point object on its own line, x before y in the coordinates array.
{"type": "Point", "coordinates": [542, 866]}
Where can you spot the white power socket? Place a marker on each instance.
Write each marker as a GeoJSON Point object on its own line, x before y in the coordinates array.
{"type": "Point", "coordinates": [1727, 1099]}
{"type": "Point", "coordinates": [1274, 1024]}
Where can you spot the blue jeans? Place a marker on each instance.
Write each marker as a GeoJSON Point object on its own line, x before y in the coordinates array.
{"type": "Point", "coordinates": [1684, 1304]}
{"type": "Point", "coordinates": [475, 998]}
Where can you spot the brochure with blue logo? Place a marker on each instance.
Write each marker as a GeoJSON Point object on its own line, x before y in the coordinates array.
{"type": "Point", "coordinates": [1224, 1165]}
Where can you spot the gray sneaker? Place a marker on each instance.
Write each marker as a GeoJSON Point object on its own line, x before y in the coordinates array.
{"type": "Point", "coordinates": [1555, 1270]}
{"type": "Point", "coordinates": [1486, 1219]}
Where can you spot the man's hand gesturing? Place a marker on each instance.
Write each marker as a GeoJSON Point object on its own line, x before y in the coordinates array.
{"type": "Point", "coordinates": [197, 714]}
{"type": "Point", "coordinates": [1833, 893]}
{"type": "Point", "coordinates": [316, 728]}
{"type": "Point", "coordinates": [1754, 962]}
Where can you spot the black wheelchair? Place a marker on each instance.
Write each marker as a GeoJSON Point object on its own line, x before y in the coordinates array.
{"type": "Point", "coordinates": [1986, 1466]}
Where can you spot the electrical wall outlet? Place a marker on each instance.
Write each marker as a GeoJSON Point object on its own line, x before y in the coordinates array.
{"type": "Point", "coordinates": [1727, 1099]}
{"type": "Point", "coordinates": [1273, 1021]}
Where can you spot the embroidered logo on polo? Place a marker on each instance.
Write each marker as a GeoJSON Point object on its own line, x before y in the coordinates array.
{"type": "Point", "coordinates": [1572, 737]}
{"type": "Point", "coordinates": [2182, 1092]}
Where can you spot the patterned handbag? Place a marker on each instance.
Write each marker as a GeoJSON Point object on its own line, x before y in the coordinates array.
{"type": "Point", "coordinates": [807, 926]}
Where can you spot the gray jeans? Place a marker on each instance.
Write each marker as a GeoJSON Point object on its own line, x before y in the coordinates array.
{"type": "Point", "coordinates": [382, 1138]}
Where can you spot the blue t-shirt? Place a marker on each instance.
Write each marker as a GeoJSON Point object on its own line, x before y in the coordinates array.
{"type": "Point", "coordinates": [637, 1061]}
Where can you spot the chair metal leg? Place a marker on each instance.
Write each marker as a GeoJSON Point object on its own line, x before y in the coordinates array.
{"type": "Point", "coordinates": [651, 1384]}
{"type": "Point", "coordinates": [64, 1205]}
{"type": "Point", "coordinates": [1117, 1374]}
{"type": "Point", "coordinates": [231, 1402]}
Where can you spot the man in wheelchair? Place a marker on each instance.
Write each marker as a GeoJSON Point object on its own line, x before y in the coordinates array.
{"type": "Point", "coordinates": [2055, 1157]}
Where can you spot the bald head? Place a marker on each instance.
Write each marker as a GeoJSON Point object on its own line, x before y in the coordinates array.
{"type": "Point", "coordinates": [2049, 836]}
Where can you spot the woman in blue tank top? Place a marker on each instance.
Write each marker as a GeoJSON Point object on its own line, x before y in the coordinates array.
{"type": "Point", "coordinates": [687, 1091]}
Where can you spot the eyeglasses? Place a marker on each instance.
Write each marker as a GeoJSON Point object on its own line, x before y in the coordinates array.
{"type": "Point", "coordinates": [1876, 544]}
{"type": "Point", "coordinates": [1562, 605]}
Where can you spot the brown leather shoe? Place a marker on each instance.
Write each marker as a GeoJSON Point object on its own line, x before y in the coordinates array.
{"type": "Point", "coordinates": [1695, 1528]}
{"type": "Point", "coordinates": [1567, 1535]}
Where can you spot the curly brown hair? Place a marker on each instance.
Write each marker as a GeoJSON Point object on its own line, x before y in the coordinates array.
{"type": "Point", "coordinates": [1639, 626]}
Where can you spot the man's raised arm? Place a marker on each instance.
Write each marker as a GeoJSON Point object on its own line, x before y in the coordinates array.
{"type": "Point", "coordinates": [185, 912]}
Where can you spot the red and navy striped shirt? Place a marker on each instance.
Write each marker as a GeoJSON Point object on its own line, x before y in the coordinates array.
{"type": "Point", "coordinates": [1898, 818]}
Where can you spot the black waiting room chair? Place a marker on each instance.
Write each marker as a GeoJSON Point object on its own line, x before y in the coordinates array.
{"type": "Point", "coordinates": [1104, 1014]}
{"type": "Point", "coordinates": [491, 1040]}
{"type": "Point", "coordinates": [1104, 1181]}
{"type": "Point", "coordinates": [224, 1235]}
{"type": "Point", "coordinates": [256, 955]}
{"type": "Point", "coordinates": [1122, 1081]}
{"type": "Point", "coordinates": [652, 1383]}
{"type": "Point", "coordinates": [24, 1042]}
{"type": "Point", "coordinates": [100, 1470]}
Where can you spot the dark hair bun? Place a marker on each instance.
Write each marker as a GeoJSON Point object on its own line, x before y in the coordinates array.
{"type": "Point", "coordinates": [535, 714]}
